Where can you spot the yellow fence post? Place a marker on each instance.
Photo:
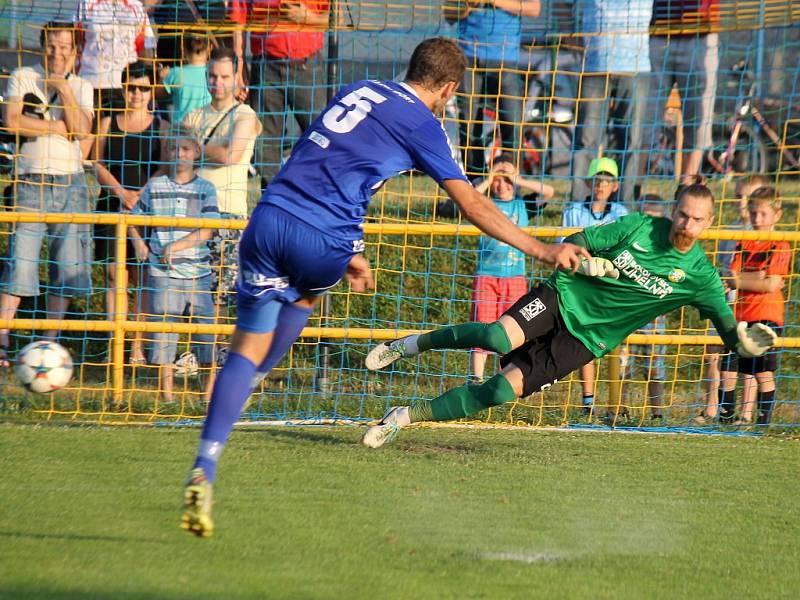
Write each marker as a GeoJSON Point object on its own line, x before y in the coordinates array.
{"type": "Point", "coordinates": [120, 311]}
{"type": "Point", "coordinates": [614, 382]}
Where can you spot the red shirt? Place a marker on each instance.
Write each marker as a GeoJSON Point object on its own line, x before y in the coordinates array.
{"type": "Point", "coordinates": [284, 40]}
{"type": "Point", "coordinates": [773, 258]}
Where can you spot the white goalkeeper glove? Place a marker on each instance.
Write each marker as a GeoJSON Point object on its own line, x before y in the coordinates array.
{"type": "Point", "coordinates": [754, 340]}
{"type": "Point", "coordinates": [598, 267]}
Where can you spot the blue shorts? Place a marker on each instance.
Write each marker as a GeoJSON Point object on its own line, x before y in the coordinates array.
{"type": "Point", "coordinates": [283, 258]}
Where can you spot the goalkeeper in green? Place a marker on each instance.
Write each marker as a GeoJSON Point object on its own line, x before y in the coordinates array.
{"type": "Point", "coordinates": [642, 267]}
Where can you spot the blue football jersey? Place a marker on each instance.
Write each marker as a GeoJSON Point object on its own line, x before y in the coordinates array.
{"type": "Point", "coordinates": [371, 131]}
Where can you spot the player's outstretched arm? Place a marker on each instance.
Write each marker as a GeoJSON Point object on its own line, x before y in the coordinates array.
{"type": "Point", "coordinates": [481, 211]}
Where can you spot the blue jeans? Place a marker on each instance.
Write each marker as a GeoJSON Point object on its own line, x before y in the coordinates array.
{"type": "Point", "coordinates": [496, 87]}
{"type": "Point", "coordinates": [630, 95]}
{"type": "Point", "coordinates": [69, 244]}
{"type": "Point", "coordinates": [170, 300]}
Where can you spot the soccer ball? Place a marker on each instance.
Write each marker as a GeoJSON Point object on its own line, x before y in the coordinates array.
{"type": "Point", "coordinates": [44, 367]}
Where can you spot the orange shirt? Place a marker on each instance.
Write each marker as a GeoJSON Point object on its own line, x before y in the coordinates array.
{"type": "Point", "coordinates": [774, 258]}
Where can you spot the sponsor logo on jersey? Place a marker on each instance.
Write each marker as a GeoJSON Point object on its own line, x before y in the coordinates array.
{"type": "Point", "coordinates": [639, 247]}
{"type": "Point", "coordinates": [262, 281]}
{"type": "Point", "coordinates": [358, 245]}
{"type": "Point", "coordinates": [628, 266]}
{"type": "Point", "coordinates": [676, 275]}
{"type": "Point", "coordinates": [319, 139]}
{"type": "Point", "coordinates": [532, 309]}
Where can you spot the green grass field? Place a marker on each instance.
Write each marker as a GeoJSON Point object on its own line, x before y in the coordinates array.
{"type": "Point", "coordinates": [92, 512]}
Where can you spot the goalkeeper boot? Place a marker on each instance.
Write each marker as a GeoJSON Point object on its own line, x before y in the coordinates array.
{"type": "Point", "coordinates": [197, 505]}
{"type": "Point", "coordinates": [385, 431]}
{"type": "Point", "coordinates": [385, 353]}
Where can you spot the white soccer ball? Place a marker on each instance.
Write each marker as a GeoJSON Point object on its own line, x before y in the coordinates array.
{"type": "Point", "coordinates": [44, 367]}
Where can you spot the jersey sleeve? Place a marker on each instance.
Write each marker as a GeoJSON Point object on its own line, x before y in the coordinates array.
{"type": "Point", "coordinates": [780, 260]}
{"type": "Point", "coordinates": [610, 234]}
{"type": "Point", "coordinates": [13, 88]}
{"type": "Point", "coordinates": [209, 209]}
{"type": "Point", "coordinates": [171, 80]}
{"type": "Point", "coordinates": [432, 153]}
{"type": "Point", "coordinates": [142, 207]}
{"type": "Point", "coordinates": [712, 304]}
{"type": "Point", "coordinates": [85, 96]}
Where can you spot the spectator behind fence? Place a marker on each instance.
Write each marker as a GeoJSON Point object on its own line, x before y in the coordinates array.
{"type": "Point", "coordinates": [490, 35]}
{"type": "Point", "coordinates": [500, 275]}
{"type": "Point", "coordinates": [758, 269]}
{"type": "Point", "coordinates": [652, 356]}
{"type": "Point", "coordinates": [179, 272]}
{"type": "Point", "coordinates": [685, 52]}
{"type": "Point", "coordinates": [723, 374]}
{"type": "Point", "coordinates": [601, 206]}
{"type": "Point", "coordinates": [616, 69]}
{"type": "Point", "coordinates": [50, 109]}
{"type": "Point", "coordinates": [221, 20]}
{"type": "Point", "coordinates": [186, 85]}
{"type": "Point", "coordinates": [130, 149]}
{"type": "Point", "coordinates": [288, 76]}
{"type": "Point", "coordinates": [226, 131]}
{"type": "Point", "coordinates": [116, 33]}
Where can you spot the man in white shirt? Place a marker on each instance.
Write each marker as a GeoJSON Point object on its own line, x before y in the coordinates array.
{"type": "Point", "coordinates": [227, 132]}
{"type": "Point", "coordinates": [51, 110]}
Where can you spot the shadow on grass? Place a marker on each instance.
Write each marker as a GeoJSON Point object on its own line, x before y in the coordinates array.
{"type": "Point", "coordinates": [32, 591]}
{"type": "Point", "coordinates": [77, 537]}
{"type": "Point", "coordinates": [328, 436]}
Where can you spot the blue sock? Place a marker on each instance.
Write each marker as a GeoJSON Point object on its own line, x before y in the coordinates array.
{"type": "Point", "coordinates": [291, 321]}
{"type": "Point", "coordinates": [231, 390]}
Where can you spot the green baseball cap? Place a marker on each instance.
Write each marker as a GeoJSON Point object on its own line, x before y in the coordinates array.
{"type": "Point", "coordinates": [603, 165]}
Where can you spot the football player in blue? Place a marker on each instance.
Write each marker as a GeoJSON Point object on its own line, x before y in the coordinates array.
{"type": "Point", "coordinates": [306, 232]}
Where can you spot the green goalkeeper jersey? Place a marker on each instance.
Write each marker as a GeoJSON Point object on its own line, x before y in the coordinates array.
{"type": "Point", "coordinates": [654, 279]}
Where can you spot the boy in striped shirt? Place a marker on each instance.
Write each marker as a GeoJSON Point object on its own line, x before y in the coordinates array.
{"type": "Point", "coordinates": [179, 273]}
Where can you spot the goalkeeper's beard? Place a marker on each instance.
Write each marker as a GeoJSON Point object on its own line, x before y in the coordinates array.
{"type": "Point", "coordinates": [682, 239]}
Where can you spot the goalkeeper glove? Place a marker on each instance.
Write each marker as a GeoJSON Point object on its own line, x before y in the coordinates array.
{"type": "Point", "coordinates": [754, 340]}
{"type": "Point", "coordinates": [598, 267]}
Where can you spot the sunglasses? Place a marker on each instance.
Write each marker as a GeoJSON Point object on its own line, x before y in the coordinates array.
{"type": "Point", "coordinates": [141, 88]}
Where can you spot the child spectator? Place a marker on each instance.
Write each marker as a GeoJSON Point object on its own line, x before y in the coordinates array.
{"type": "Point", "coordinates": [724, 373]}
{"type": "Point", "coordinates": [600, 207]}
{"type": "Point", "coordinates": [652, 355]}
{"type": "Point", "coordinates": [500, 277]}
{"type": "Point", "coordinates": [179, 274]}
{"type": "Point", "coordinates": [116, 33]}
{"type": "Point", "coordinates": [187, 84]}
{"type": "Point", "coordinates": [758, 269]}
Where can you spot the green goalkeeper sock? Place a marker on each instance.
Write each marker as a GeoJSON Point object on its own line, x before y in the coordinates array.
{"type": "Point", "coordinates": [489, 336]}
{"type": "Point", "coordinates": [463, 401]}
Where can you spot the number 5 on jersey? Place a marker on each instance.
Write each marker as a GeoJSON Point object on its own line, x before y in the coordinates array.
{"type": "Point", "coordinates": [351, 110]}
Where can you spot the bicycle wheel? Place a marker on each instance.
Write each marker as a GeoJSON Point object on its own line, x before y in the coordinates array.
{"type": "Point", "coordinates": [747, 155]}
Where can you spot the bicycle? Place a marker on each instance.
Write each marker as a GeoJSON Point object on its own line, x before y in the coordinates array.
{"type": "Point", "coordinates": [749, 142]}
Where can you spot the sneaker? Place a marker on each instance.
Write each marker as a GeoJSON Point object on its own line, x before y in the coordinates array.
{"type": "Point", "coordinates": [703, 419]}
{"type": "Point", "coordinates": [385, 431]}
{"type": "Point", "coordinates": [187, 365]}
{"type": "Point", "coordinates": [197, 505]}
{"type": "Point", "coordinates": [385, 353]}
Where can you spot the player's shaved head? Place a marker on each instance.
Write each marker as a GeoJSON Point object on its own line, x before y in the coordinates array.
{"type": "Point", "coordinates": [436, 62]}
